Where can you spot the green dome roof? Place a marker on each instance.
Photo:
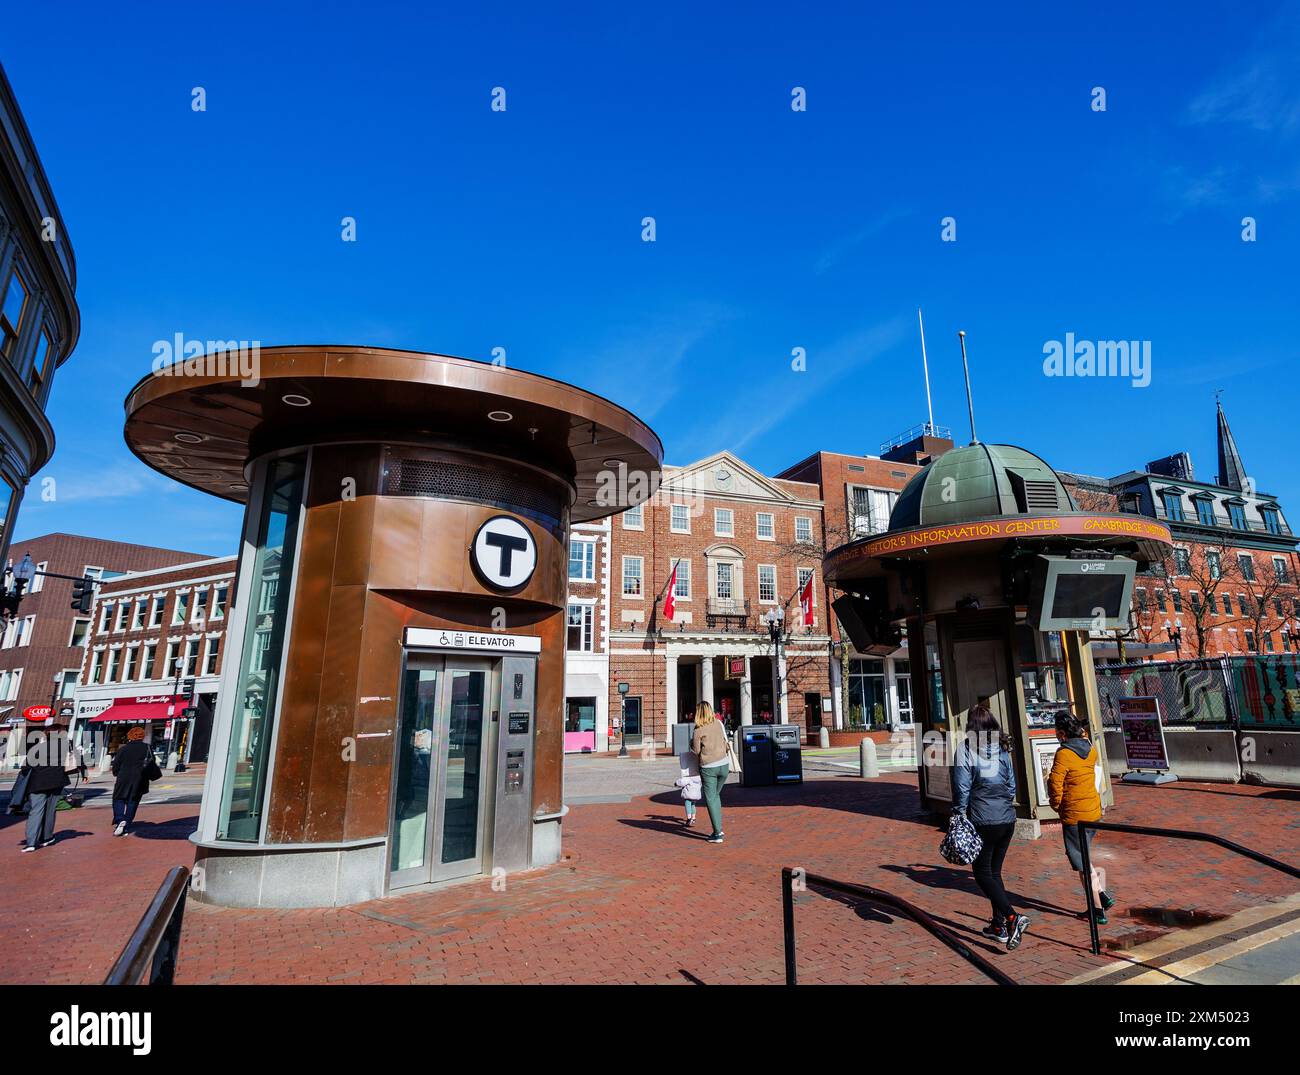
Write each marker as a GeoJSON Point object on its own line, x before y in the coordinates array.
{"type": "Point", "coordinates": [980, 481]}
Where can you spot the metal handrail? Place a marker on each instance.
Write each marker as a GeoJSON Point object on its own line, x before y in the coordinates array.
{"type": "Point", "coordinates": [156, 940]}
{"type": "Point", "coordinates": [1172, 834]}
{"type": "Point", "coordinates": [878, 896]}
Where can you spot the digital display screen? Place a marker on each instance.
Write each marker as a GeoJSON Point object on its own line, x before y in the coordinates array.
{"type": "Point", "coordinates": [1078, 597]}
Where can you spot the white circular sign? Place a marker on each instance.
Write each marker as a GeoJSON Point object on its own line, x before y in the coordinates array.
{"type": "Point", "coordinates": [504, 553]}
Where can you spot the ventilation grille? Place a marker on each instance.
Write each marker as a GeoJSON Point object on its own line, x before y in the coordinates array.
{"type": "Point", "coordinates": [1040, 496]}
{"type": "Point", "coordinates": [409, 474]}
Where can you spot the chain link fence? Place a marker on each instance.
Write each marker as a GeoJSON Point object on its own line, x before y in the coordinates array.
{"type": "Point", "coordinates": [1227, 692]}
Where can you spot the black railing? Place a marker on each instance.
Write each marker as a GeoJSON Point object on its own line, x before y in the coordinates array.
{"type": "Point", "coordinates": [1172, 834]}
{"type": "Point", "coordinates": [875, 895]}
{"type": "Point", "coordinates": [157, 939]}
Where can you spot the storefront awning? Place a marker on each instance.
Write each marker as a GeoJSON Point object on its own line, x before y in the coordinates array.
{"type": "Point", "coordinates": [140, 711]}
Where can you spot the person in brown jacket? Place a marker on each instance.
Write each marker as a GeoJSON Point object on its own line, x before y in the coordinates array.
{"type": "Point", "coordinates": [1072, 792]}
{"type": "Point", "coordinates": [710, 745]}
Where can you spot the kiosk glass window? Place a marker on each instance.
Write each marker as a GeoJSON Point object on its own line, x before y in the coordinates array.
{"type": "Point", "coordinates": [632, 721]}
{"type": "Point", "coordinates": [934, 678]}
{"type": "Point", "coordinates": [1042, 676]}
{"type": "Point", "coordinates": [868, 703]}
{"type": "Point", "coordinates": [415, 768]}
{"type": "Point", "coordinates": [903, 680]}
{"type": "Point", "coordinates": [264, 634]}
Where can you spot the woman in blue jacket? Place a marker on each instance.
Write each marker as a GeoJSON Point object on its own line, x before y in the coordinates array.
{"type": "Point", "coordinates": [984, 789]}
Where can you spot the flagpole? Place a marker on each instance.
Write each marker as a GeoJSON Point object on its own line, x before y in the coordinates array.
{"type": "Point", "coordinates": [925, 364]}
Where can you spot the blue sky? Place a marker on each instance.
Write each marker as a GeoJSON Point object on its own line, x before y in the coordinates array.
{"type": "Point", "coordinates": [775, 229]}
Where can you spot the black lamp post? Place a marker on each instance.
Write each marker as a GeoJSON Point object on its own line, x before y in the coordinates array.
{"type": "Point", "coordinates": [775, 620]}
{"type": "Point", "coordinates": [623, 688]}
{"type": "Point", "coordinates": [1175, 633]}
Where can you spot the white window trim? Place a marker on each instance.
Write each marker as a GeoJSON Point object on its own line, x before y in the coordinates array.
{"type": "Point", "coordinates": [776, 589]}
{"type": "Point", "coordinates": [591, 543]}
{"type": "Point", "coordinates": [689, 578]}
{"type": "Point", "coordinates": [622, 579]}
{"type": "Point", "coordinates": [803, 519]}
{"type": "Point", "coordinates": [672, 520]}
{"type": "Point", "coordinates": [72, 630]}
{"type": "Point", "coordinates": [584, 602]}
{"type": "Point", "coordinates": [730, 532]}
{"type": "Point", "coordinates": [38, 580]}
{"type": "Point", "coordinates": [758, 529]}
{"type": "Point", "coordinates": [634, 526]}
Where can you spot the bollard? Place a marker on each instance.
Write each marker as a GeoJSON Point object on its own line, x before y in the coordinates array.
{"type": "Point", "coordinates": [867, 765]}
{"type": "Point", "coordinates": [823, 739]}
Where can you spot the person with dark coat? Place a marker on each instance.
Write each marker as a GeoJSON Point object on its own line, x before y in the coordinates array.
{"type": "Point", "coordinates": [134, 767]}
{"type": "Point", "coordinates": [45, 784]}
{"type": "Point", "coordinates": [984, 789]}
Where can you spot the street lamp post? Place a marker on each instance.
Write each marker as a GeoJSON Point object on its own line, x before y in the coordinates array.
{"type": "Point", "coordinates": [1175, 633]}
{"type": "Point", "coordinates": [775, 620]}
{"type": "Point", "coordinates": [623, 688]}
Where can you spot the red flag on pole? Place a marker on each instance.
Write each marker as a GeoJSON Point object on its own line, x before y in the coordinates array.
{"type": "Point", "coordinates": [670, 604]}
{"type": "Point", "coordinates": [806, 601]}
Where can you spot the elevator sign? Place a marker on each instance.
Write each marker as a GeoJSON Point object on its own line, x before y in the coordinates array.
{"type": "Point", "coordinates": [504, 554]}
{"type": "Point", "coordinates": [475, 641]}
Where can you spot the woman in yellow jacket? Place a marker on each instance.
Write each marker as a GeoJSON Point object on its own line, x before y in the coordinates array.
{"type": "Point", "coordinates": [1072, 791]}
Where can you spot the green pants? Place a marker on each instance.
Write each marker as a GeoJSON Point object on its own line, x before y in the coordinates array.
{"type": "Point", "coordinates": [712, 780]}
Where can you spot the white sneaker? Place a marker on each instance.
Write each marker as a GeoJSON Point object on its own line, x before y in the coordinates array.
{"type": "Point", "coordinates": [121, 829]}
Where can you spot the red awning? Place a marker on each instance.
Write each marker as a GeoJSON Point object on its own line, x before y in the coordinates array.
{"type": "Point", "coordinates": [139, 712]}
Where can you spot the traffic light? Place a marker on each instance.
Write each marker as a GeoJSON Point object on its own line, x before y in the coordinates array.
{"type": "Point", "coordinates": [83, 593]}
{"type": "Point", "coordinates": [187, 688]}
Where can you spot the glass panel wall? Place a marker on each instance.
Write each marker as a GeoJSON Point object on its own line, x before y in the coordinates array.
{"type": "Point", "coordinates": [263, 652]}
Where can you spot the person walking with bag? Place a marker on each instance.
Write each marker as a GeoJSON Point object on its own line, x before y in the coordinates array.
{"type": "Point", "coordinates": [134, 767]}
{"type": "Point", "coordinates": [45, 784]}
{"type": "Point", "coordinates": [1072, 793]}
{"type": "Point", "coordinates": [709, 742]}
{"type": "Point", "coordinates": [984, 790]}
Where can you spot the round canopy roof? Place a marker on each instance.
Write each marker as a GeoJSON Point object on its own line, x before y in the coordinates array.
{"type": "Point", "coordinates": [982, 498]}
{"type": "Point", "coordinates": [980, 481]}
{"type": "Point", "coordinates": [200, 424]}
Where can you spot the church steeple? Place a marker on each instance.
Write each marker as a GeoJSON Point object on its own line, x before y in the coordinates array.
{"type": "Point", "coordinates": [1232, 472]}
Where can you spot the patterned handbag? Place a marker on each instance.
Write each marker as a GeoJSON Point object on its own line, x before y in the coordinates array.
{"type": "Point", "coordinates": [962, 845]}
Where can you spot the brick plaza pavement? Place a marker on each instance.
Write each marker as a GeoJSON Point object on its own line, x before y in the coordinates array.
{"type": "Point", "coordinates": [640, 899]}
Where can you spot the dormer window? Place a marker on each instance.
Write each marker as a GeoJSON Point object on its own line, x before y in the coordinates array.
{"type": "Point", "coordinates": [1173, 501]}
{"type": "Point", "coordinates": [1237, 515]}
{"type": "Point", "coordinates": [1204, 509]}
{"type": "Point", "coordinates": [1272, 521]}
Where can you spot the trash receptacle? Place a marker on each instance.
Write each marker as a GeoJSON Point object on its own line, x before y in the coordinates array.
{"type": "Point", "coordinates": [787, 754]}
{"type": "Point", "coordinates": [756, 756]}
{"type": "Point", "coordinates": [682, 737]}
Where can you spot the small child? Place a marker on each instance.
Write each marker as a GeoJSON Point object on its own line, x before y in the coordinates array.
{"type": "Point", "coordinates": [690, 783]}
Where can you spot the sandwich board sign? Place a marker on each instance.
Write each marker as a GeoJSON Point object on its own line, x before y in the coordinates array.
{"type": "Point", "coordinates": [1145, 751]}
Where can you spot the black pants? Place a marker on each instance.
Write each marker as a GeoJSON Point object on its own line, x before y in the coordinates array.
{"type": "Point", "coordinates": [988, 866]}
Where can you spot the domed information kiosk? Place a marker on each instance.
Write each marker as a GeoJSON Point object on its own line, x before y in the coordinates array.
{"type": "Point", "coordinates": [993, 580]}
{"type": "Point", "coordinates": [390, 709]}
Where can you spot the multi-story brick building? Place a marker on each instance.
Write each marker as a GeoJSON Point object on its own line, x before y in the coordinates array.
{"type": "Point", "coordinates": [742, 545]}
{"type": "Point", "coordinates": [1229, 587]}
{"type": "Point", "coordinates": [151, 631]}
{"type": "Point", "coordinates": [46, 638]}
{"type": "Point", "coordinates": [586, 666]}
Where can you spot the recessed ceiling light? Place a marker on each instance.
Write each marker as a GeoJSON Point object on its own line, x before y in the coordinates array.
{"type": "Point", "coordinates": [295, 400]}
{"type": "Point", "coordinates": [500, 416]}
{"type": "Point", "coordinates": [189, 438]}
{"type": "Point", "coordinates": [239, 487]}
{"type": "Point", "coordinates": [613, 462]}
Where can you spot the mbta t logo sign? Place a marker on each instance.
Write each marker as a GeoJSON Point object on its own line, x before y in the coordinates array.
{"type": "Point", "coordinates": [504, 553]}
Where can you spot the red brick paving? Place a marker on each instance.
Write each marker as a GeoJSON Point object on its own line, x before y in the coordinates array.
{"type": "Point", "coordinates": [639, 899]}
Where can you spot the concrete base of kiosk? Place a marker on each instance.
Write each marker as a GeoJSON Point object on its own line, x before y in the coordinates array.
{"type": "Point", "coordinates": [1149, 778]}
{"type": "Point", "coordinates": [309, 875]}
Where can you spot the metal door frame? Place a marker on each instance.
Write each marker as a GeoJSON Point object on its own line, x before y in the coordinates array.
{"type": "Point", "coordinates": [433, 868]}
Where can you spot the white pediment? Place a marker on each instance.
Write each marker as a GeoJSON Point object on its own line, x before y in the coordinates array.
{"type": "Point", "coordinates": [722, 474]}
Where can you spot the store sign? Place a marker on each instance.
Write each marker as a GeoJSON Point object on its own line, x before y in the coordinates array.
{"type": "Point", "coordinates": [475, 641]}
{"type": "Point", "coordinates": [503, 553]}
{"type": "Point", "coordinates": [929, 537]}
{"type": "Point", "coordinates": [38, 713]}
{"type": "Point", "coordinates": [1144, 733]}
{"type": "Point", "coordinates": [735, 667]}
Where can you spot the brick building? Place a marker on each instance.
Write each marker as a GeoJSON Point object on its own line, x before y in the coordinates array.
{"type": "Point", "coordinates": [1229, 587]}
{"type": "Point", "coordinates": [46, 637]}
{"type": "Point", "coordinates": [742, 544]}
{"type": "Point", "coordinates": [586, 663]}
{"type": "Point", "coordinates": [149, 632]}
